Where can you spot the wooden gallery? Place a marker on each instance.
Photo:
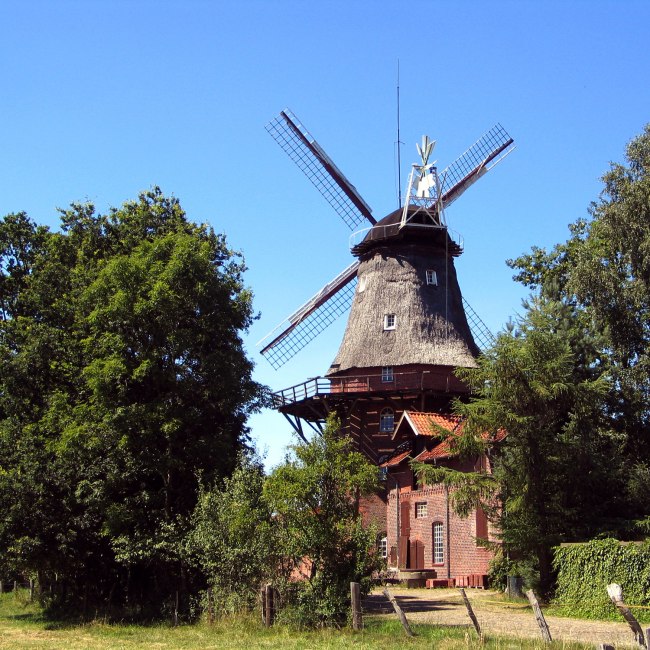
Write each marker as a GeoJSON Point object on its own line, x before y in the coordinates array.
{"type": "Point", "coordinates": [393, 381]}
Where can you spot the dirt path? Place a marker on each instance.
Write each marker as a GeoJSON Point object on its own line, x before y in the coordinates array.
{"type": "Point", "coordinates": [444, 607]}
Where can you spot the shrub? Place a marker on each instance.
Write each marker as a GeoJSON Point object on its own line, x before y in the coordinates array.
{"type": "Point", "coordinates": [585, 570]}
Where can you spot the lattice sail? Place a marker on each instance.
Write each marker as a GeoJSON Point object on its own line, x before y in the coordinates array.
{"type": "Point", "coordinates": [486, 152]}
{"type": "Point", "coordinates": [482, 335]}
{"type": "Point", "coordinates": [319, 168]}
{"type": "Point", "coordinates": [304, 325]}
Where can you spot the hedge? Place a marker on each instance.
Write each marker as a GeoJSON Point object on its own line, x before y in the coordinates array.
{"type": "Point", "coordinates": [585, 570]}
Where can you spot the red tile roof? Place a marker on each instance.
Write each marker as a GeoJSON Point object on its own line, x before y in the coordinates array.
{"type": "Point", "coordinates": [443, 450]}
{"type": "Point", "coordinates": [396, 460]}
{"type": "Point", "coordinates": [421, 423]}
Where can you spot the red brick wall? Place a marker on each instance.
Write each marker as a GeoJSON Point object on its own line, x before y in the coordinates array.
{"type": "Point", "coordinates": [462, 556]}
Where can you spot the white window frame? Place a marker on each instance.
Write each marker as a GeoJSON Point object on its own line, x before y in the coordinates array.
{"type": "Point", "coordinates": [421, 510]}
{"type": "Point", "coordinates": [383, 547]}
{"type": "Point", "coordinates": [387, 374]}
{"type": "Point", "coordinates": [390, 321]}
{"type": "Point", "coordinates": [432, 277]}
{"type": "Point", "coordinates": [438, 542]}
{"type": "Point", "coordinates": [362, 283]}
{"type": "Point", "coordinates": [387, 420]}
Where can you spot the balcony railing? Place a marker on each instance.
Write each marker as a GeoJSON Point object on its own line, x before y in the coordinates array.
{"type": "Point", "coordinates": [353, 384]}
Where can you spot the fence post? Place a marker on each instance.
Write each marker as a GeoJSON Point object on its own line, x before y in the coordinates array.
{"type": "Point", "coordinates": [616, 596]}
{"type": "Point", "coordinates": [647, 637]}
{"type": "Point", "coordinates": [399, 612]}
{"type": "Point", "coordinates": [470, 612]}
{"type": "Point", "coordinates": [269, 610]}
{"type": "Point", "coordinates": [541, 621]}
{"type": "Point", "coordinates": [355, 600]}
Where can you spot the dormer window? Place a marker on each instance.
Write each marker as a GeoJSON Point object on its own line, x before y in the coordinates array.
{"type": "Point", "coordinates": [432, 277]}
{"type": "Point", "coordinates": [390, 321]}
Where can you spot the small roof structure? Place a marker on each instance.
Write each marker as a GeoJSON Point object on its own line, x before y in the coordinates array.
{"type": "Point", "coordinates": [420, 424]}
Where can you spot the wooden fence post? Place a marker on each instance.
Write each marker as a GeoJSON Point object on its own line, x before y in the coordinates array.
{"type": "Point", "coordinates": [399, 612]}
{"type": "Point", "coordinates": [541, 621]}
{"type": "Point", "coordinates": [616, 596]}
{"type": "Point", "coordinates": [269, 609]}
{"type": "Point", "coordinates": [470, 612]}
{"type": "Point", "coordinates": [355, 600]}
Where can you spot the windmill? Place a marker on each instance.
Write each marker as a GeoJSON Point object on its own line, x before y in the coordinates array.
{"type": "Point", "coordinates": [430, 193]}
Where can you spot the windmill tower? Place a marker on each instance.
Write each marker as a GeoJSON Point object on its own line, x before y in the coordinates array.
{"type": "Point", "coordinates": [408, 327]}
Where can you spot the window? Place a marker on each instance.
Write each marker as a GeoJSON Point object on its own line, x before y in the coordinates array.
{"type": "Point", "coordinates": [383, 547]}
{"type": "Point", "coordinates": [387, 374]}
{"type": "Point", "coordinates": [438, 544]}
{"type": "Point", "coordinates": [362, 283]}
{"type": "Point", "coordinates": [387, 421]}
{"type": "Point", "coordinates": [432, 277]}
{"type": "Point", "coordinates": [390, 321]}
{"type": "Point", "coordinates": [420, 510]}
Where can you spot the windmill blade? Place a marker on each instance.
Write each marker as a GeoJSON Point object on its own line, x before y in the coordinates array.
{"type": "Point", "coordinates": [484, 154]}
{"type": "Point", "coordinates": [319, 168]}
{"type": "Point", "coordinates": [295, 332]}
{"type": "Point", "coordinates": [483, 337]}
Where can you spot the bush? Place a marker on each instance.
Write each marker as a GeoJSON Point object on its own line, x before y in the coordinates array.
{"type": "Point", "coordinates": [233, 541]}
{"type": "Point", "coordinates": [585, 570]}
{"type": "Point", "coordinates": [315, 497]}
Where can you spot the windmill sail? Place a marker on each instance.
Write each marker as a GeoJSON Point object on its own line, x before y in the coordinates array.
{"type": "Point", "coordinates": [311, 319]}
{"type": "Point", "coordinates": [319, 168]}
{"type": "Point", "coordinates": [482, 335]}
{"type": "Point", "coordinates": [475, 162]}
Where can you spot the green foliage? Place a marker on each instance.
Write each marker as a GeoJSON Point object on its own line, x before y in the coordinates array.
{"type": "Point", "coordinates": [122, 380]}
{"type": "Point", "coordinates": [570, 385]}
{"type": "Point", "coordinates": [315, 497]}
{"type": "Point", "coordinates": [234, 540]}
{"type": "Point", "coordinates": [585, 570]}
{"type": "Point", "coordinates": [549, 475]}
{"type": "Point", "coordinates": [603, 270]}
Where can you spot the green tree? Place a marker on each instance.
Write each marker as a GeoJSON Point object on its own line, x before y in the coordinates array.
{"type": "Point", "coordinates": [571, 385]}
{"type": "Point", "coordinates": [604, 269]}
{"type": "Point", "coordinates": [315, 497]}
{"type": "Point", "coordinates": [123, 380]}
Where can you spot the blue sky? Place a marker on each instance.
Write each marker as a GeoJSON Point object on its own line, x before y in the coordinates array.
{"type": "Point", "coordinates": [103, 99]}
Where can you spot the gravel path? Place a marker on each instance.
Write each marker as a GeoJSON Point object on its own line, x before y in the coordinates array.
{"type": "Point", "coordinates": [445, 607]}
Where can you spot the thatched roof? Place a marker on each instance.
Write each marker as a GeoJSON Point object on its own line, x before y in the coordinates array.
{"type": "Point", "coordinates": [431, 327]}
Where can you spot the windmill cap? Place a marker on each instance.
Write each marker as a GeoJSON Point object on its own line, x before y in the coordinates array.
{"type": "Point", "coordinates": [417, 230]}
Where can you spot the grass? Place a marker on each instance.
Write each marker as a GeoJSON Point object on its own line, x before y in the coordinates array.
{"type": "Point", "coordinates": [24, 625]}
